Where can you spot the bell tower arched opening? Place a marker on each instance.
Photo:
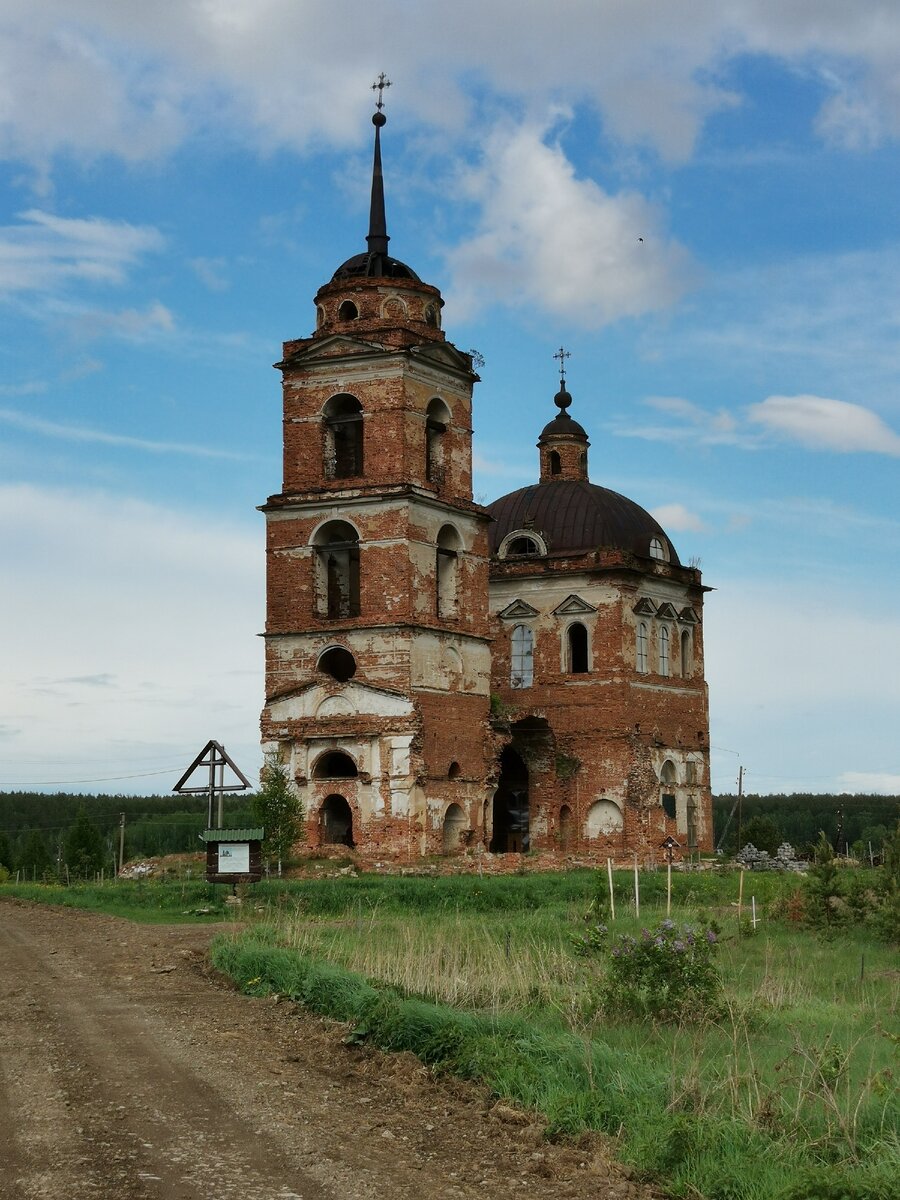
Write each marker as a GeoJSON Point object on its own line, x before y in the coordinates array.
{"type": "Point", "coordinates": [336, 822]}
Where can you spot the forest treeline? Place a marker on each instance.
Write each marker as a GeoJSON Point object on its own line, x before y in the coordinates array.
{"type": "Point", "coordinates": [850, 822]}
{"type": "Point", "coordinates": [37, 831]}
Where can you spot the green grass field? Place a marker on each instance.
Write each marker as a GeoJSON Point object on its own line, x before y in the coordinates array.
{"type": "Point", "coordinates": [789, 1094]}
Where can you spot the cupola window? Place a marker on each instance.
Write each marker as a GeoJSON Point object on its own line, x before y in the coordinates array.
{"type": "Point", "coordinates": [343, 435]}
{"type": "Point", "coordinates": [555, 463]}
{"type": "Point", "coordinates": [337, 570]}
{"type": "Point", "coordinates": [658, 550]}
{"type": "Point", "coordinates": [348, 311]}
{"type": "Point", "coordinates": [522, 546]}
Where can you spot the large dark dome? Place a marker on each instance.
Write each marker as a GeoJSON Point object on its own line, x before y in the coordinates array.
{"type": "Point", "coordinates": [373, 265]}
{"type": "Point", "coordinates": [572, 514]}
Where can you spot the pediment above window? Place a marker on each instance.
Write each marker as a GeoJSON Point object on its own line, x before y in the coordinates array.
{"type": "Point", "coordinates": [517, 611]}
{"type": "Point", "coordinates": [645, 607]}
{"type": "Point", "coordinates": [666, 611]}
{"type": "Point", "coordinates": [573, 606]}
{"type": "Point", "coordinates": [689, 616]}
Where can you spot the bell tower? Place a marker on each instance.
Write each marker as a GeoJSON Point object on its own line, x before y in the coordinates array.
{"type": "Point", "coordinates": [377, 643]}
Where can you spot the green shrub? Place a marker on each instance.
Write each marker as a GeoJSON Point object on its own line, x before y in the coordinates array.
{"type": "Point", "coordinates": [667, 973]}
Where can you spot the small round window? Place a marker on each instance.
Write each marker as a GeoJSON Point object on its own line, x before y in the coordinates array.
{"type": "Point", "coordinates": [338, 663]}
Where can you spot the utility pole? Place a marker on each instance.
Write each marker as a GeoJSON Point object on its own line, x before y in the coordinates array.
{"type": "Point", "coordinates": [121, 841]}
{"type": "Point", "coordinates": [740, 796]}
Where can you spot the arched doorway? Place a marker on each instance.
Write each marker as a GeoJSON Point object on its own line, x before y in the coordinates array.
{"type": "Point", "coordinates": [336, 822]}
{"type": "Point", "coordinates": [511, 832]}
{"type": "Point", "coordinates": [454, 823]}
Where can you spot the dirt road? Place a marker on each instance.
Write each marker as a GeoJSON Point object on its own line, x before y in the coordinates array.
{"type": "Point", "coordinates": [127, 1071]}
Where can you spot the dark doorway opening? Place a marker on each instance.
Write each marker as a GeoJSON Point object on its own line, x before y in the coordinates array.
{"type": "Point", "coordinates": [337, 822]}
{"type": "Point", "coordinates": [511, 832]}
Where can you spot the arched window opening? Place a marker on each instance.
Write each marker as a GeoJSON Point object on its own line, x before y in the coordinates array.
{"type": "Point", "coordinates": [454, 771]}
{"type": "Point", "coordinates": [641, 648]}
{"type": "Point", "coordinates": [664, 650]}
{"type": "Point", "coordinates": [336, 827]}
{"type": "Point", "coordinates": [431, 316]}
{"type": "Point", "coordinates": [604, 819]}
{"type": "Point", "coordinates": [454, 825]}
{"type": "Point", "coordinates": [338, 663]}
{"type": "Point", "coordinates": [687, 654]}
{"type": "Point", "coordinates": [335, 764]}
{"type": "Point", "coordinates": [658, 549]}
{"type": "Point", "coordinates": [343, 438]}
{"type": "Point", "coordinates": [320, 316]}
{"type": "Point", "coordinates": [348, 311]}
{"type": "Point", "coordinates": [437, 422]}
{"type": "Point", "coordinates": [577, 649]}
{"type": "Point", "coordinates": [565, 828]}
{"type": "Point", "coordinates": [668, 778]}
{"type": "Point", "coordinates": [447, 571]}
{"type": "Point", "coordinates": [521, 659]}
{"type": "Point", "coordinates": [555, 463]}
{"type": "Point", "coordinates": [522, 546]}
{"type": "Point", "coordinates": [337, 570]}
{"type": "Point", "coordinates": [511, 833]}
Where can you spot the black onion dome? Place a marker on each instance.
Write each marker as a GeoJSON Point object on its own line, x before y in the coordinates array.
{"type": "Point", "coordinates": [563, 426]}
{"type": "Point", "coordinates": [375, 265]}
{"type": "Point", "coordinates": [572, 515]}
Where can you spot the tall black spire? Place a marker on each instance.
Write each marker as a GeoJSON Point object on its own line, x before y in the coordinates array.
{"type": "Point", "coordinates": [377, 238]}
{"type": "Point", "coordinates": [376, 263]}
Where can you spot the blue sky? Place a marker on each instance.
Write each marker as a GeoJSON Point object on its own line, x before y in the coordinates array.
{"type": "Point", "coordinates": [698, 200]}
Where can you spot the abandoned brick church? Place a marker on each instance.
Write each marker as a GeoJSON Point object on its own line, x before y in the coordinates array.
{"type": "Point", "coordinates": [447, 678]}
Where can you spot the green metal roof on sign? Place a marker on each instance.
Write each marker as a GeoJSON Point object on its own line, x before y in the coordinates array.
{"type": "Point", "coordinates": [233, 835]}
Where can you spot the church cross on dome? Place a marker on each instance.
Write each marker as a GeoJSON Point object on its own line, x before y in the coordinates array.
{"type": "Point", "coordinates": [378, 86]}
{"type": "Point", "coordinates": [562, 354]}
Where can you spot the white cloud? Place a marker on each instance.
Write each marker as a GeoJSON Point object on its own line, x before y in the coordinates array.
{"type": "Point", "coordinates": [135, 633]}
{"type": "Point", "coordinates": [873, 782]}
{"type": "Point", "coordinates": [46, 252]}
{"type": "Point", "coordinates": [210, 272]}
{"type": "Point", "coordinates": [78, 433]}
{"type": "Point", "coordinates": [687, 422]}
{"type": "Point", "coordinates": [106, 77]}
{"type": "Point", "coordinates": [679, 518]}
{"type": "Point", "coordinates": [823, 424]}
{"type": "Point", "coordinates": [550, 239]}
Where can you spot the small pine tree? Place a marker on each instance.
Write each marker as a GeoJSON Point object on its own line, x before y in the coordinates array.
{"type": "Point", "coordinates": [278, 808]}
{"type": "Point", "coordinates": [822, 891]}
{"type": "Point", "coordinates": [761, 832]}
{"type": "Point", "coordinates": [84, 851]}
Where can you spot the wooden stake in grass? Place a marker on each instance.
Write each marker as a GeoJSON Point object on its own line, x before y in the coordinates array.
{"type": "Point", "coordinates": [740, 899]}
{"type": "Point", "coordinates": [637, 890]}
{"type": "Point", "coordinates": [612, 899]}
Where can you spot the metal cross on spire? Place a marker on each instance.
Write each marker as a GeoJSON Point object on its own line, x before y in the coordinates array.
{"type": "Point", "coordinates": [562, 355]}
{"type": "Point", "coordinates": [378, 86]}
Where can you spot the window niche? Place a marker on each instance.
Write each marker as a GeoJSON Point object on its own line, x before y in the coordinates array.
{"type": "Point", "coordinates": [336, 549]}
{"type": "Point", "coordinates": [343, 437]}
{"type": "Point", "coordinates": [663, 647]}
{"type": "Point", "coordinates": [687, 654]}
{"type": "Point", "coordinates": [447, 572]}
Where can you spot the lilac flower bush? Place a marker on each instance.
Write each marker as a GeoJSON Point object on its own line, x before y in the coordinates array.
{"type": "Point", "coordinates": [667, 973]}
